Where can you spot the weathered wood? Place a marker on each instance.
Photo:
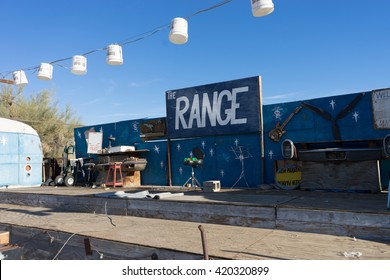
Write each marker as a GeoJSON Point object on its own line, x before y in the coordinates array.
{"type": "Point", "coordinates": [138, 238]}
{"type": "Point", "coordinates": [132, 179]}
{"type": "Point", "coordinates": [337, 213]}
{"type": "Point", "coordinates": [4, 237]}
{"type": "Point", "coordinates": [10, 82]}
{"type": "Point", "coordinates": [341, 175]}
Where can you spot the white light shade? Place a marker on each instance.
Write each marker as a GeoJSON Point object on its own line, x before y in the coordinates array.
{"type": "Point", "coordinates": [179, 31]}
{"type": "Point", "coordinates": [114, 55]}
{"type": "Point", "coordinates": [45, 71]}
{"type": "Point", "coordinates": [262, 7]}
{"type": "Point", "coordinates": [20, 78]}
{"type": "Point", "coordinates": [79, 65]}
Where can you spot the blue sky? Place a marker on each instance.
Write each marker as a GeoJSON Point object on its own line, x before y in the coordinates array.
{"type": "Point", "coordinates": [304, 49]}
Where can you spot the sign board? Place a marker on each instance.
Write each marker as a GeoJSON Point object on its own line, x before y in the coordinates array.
{"type": "Point", "coordinates": [288, 177]}
{"type": "Point", "coordinates": [94, 141]}
{"type": "Point", "coordinates": [152, 129]}
{"type": "Point", "coordinates": [216, 109]}
{"type": "Point", "coordinates": [380, 108]}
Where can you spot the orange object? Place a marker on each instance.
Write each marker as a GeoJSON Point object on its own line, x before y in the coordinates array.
{"type": "Point", "coordinates": [114, 170]}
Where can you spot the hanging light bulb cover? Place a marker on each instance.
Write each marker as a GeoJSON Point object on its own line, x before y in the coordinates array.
{"type": "Point", "coordinates": [114, 55]}
{"type": "Point", "coordinates": [20, 78]}
{"type": "Point", "coordinates": [179, 31]}
{"type": "Point", "coordinates": [79, 65]}
{"type": "Point", "coordinates": [262, 7]}
{"type": "Point", "coordinates": [45, 71]}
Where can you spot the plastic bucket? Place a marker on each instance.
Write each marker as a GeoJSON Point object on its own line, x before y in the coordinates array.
{"type": "Point", "coordinates": [20, 78]}
{"type": "Point", "coordinates": [179, 31]}
{"type": "Point", "coordinates": [45, 71]}
{"type": "Point", "coordinates": [79, 65]}
{"type": "Point", "coordinates": [114, 55]}
{"type": "Point", "coordinates": [262, 7]}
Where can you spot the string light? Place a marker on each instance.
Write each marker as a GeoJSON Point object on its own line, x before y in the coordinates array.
{"type": "Point", "coordinates": [178, 35]}
{"type": "Point", "coordinates": [45, 71]}
{"type": "Point", "coordinates": [262, 7]}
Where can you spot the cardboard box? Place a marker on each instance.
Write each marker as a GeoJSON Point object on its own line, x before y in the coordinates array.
{"type": "Point", "coordinates": [118, 149]}
{"type": "Point", "coordinates": [4, 237]}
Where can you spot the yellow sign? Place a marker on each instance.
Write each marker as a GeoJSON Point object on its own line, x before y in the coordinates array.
{"type": "Point", "coordinates": [289, 177]}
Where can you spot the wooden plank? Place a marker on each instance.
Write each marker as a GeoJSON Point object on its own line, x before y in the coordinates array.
{"type": "Point", "coordinates": [341, 175]}
{"type": "Point", "coordinates": [4, 237]}
{"type": "Point", "coordinates": [380, 108]}
{"type": "Point", "coordinates": [10, 82]}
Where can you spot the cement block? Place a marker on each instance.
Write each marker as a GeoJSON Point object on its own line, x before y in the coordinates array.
{"type": "Point", "coordinates": [211, 186]}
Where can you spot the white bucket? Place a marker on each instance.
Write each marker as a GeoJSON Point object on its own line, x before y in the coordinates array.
{"type": "Point", "coordinates": [114, 55]}
{"type": "Point", "coordinates": [20, 78]}
{"type": "Point", "coordinates": [179, 31]}
{"type": "Point", "coordinates": [45, 71]}
{"type": "Point", "coordinates": [79, 65]}
{"type": "Point", "coordinates": [262, 7]}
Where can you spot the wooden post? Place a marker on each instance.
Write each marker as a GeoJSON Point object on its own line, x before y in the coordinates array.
{"type": "Point", "coordinates": [204, 243]}
{"type": "Point", "coordinates": [169, 170]}
{"type": "Point", "coordinates": [10, 82]}
{"type": "Point", "coordinates": [87, 247]}
{"type": "Point", "coordinates": [261, 130]}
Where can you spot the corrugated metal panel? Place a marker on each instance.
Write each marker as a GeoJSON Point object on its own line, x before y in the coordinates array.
{"type": "Point", "coordinates": [20, 159]}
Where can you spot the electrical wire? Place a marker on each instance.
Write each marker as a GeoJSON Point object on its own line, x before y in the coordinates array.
{"type": "Point", "coordinates": [127, 41]}
{"type": "Point", "coordinates": [63, 246]}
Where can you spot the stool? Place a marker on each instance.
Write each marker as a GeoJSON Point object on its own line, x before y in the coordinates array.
{"type": "Point", "coordinates": [114, 168]}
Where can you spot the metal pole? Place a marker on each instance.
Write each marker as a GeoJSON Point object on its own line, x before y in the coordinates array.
{"type": "Point", "coordinates": [169, 170]}
{"type": "Point", "coordinates": [204, 243]}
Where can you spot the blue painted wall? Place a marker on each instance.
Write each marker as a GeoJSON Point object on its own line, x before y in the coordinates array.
{"type": "Point", "coordinates": [236, 158]}
{"type": "Point", "coordinates": [232, 159]}
{"type": "Point", "coordinates": [311, 127]}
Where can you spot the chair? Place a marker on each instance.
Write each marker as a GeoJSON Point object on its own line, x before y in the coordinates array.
{"type": "Point", "coordinates": [195, 161]}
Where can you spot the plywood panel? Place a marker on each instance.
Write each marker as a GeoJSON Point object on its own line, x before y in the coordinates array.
{"type": "Point", "coordinates": [341, 175]}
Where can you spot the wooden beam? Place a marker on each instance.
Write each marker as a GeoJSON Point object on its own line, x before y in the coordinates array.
{"type": "Point", "coordinates": [10, 82]}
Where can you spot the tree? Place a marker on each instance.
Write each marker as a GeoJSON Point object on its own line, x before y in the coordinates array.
{"type": "Point", "coordinates": [40, 111]}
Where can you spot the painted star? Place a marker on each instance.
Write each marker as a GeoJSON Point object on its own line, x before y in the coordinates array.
{"type": "Point", "coordinates": [355, 116]}
{"type": "Point", "coordinates": [156, 149]}
{"type": "Point", "coordinates": [332, 103]}
{"type": "Point", "coordinates": [3, 140]}
{"type": "Point", "coordinates": [135, 126]}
